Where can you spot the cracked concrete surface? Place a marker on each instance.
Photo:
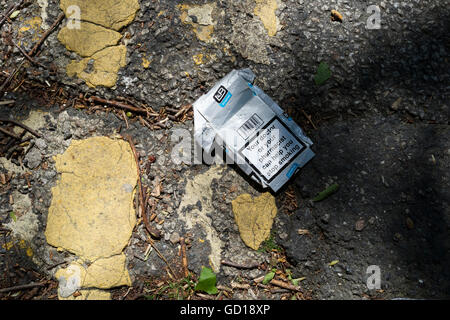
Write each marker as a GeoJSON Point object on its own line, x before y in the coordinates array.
{"type": "Point", "coordinates": [168, 65]}
{"type": "Point", "coordinates": [199, 190]}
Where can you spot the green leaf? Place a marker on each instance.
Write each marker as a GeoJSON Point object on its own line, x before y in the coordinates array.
{"type": "Point", "coordinates": [323, 74]}
{"type": "Point", "coordinates": [295, 282]}
{"type": "Point", "coordinates": [327, 192]}
{"type": "Point", "coordinates": [268, 277]}
{"type": "Point", "coordinates": [13, 216]}
{"type": "Point", "coordinates": [14, 14]}
{"type": "Point", "coordinates": [207, 281]}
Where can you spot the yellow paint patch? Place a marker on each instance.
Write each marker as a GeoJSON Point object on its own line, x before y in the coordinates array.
{"type": "Point", "coordinates": [30, 252]}
{"type": "Point", "coordinates": [254, 217]}
{"type": "Point", "coordinates": [89, 39]}
{"type": "Point", "coordinates": [24, 29]}
{"type": "Point", "coordinates": [92, 213]}
{"type": "Point", "coordinates": [265, 10]}
{"type": "Point", "coordinates": [110, 14]}
{"type": "Point", "coordinates": [8, 245]}
{"type": "Point", "coordinates": [96, 39]}
{"type": "Point", "coordinates": [107, 273]}
{"type": "Point", "coordinates": [33, 26]}
{"type": "Point", "coordinates": [105, 63]}
{"type": "Point", "coordinates": [204, 33]}
{"type": "Point", "coordinates": [198, 58]}
{"type": "Point", "coordinates": [22, 244]}
{"type": "Point", "coordinates": [146, 63]}
{"type": "Point", "coordinates": [203, 23]}
{"type": "Point", "coordinates": [103, 273]}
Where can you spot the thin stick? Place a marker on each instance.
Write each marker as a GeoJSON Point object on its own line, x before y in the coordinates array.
{"type": "Point", "coordinates": [8, 278]}
{"type": "Point", "coordinates": [205, 296]}
{"type": "Point", "coordinates": [9, 133]}
{"type": "Point", "coordinates": [7, 14]}
{"type": "Point", "coordinates": [284, 285]}
{"type": "Point", "coordinates": [184, 257]}
{"type": "Point", "coordinates": [125, 118]}
{"type": "Point", "coordinates": [309, 119]}
{"type": "Point", "coordinates": [9, 11]}
{"type": "Point", "coordinates": [46, 34]}
{"type": "Point", "coordinates": [6, 102]}
{"type": "Point", "coordinates": [161, 123]}
{"type": "Point", "coordinates": [27, 56]}
{"type": "Point", "coordinates": [55, 265]}
{"type": "Point", "coordinates": [236, 285]}
{"type": "Point", "coordinates": [186, 108]}
{"type": "Point", "coordinates": [11, 76]}
{"type": "Point", "coordinates": [25, 286]}
{"type": "Point", "coordinates": [128, 291]}
{"type": "Point", "coordinates": [160, 255]}
{"type": "Point", "coordinates": [172, 110]}
{"type": "Point", "coordinates": [240, 266]}
{"type": "Point", "coordinates": [154, 232]}
{"type": "Point", "coordinates": [34, 133]}
{"type": "Point", "coordinates": [119, 104]}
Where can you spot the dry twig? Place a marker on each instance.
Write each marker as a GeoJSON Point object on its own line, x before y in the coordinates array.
{"type": "Point", "coordinates": [6, 102]}
{"type": "Point", "coordinates": [154, 232]}
{"type": "Point", "coordinates": [309, 119]}
{"type": "Point", "coordinates": [10, 10]}
{"type": "Point", "coordinates": [284, 285]}
{"type": "Point", "coordinates": [150, 240]}
{"type": "Point", "coordinates": [240, 266]}
{"type": "Point", "coordinates": [22, 126]}
{"type": "Point", "coordinates": [46, 34]}
{"type": "Point", "coordinates": [8, 133]}
{"type": "Point", "coordinates": [27, 56]}
{"type": "Point", "coordinates": [184, 257]}
{"type": "Point", "coordinates": [120, 105]}
{"type": "Point", "coordinates": [21, 287]}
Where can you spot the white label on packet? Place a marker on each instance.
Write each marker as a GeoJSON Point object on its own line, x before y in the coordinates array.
{"type": "Point", "coordinates": [272, 149]}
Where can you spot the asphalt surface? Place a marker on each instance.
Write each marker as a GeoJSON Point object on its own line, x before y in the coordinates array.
{"type": "Point", "coordinates": [379, 124]}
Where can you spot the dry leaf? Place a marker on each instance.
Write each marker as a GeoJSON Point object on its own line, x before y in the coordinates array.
{"type": "Point", "coordinates": [396, 104]}
{"type": "Point", "coordinates": [336, 16]}
{"type": "Point", "coordinates": [332, 263]}
{"type": "Point", "coordinates": [359, 225]}
{"type": "Point", "coordinates": [303, 231]}
{"type": "Point", "coordinates": [2, 178]}
{"type": "Point", "coordinates": [409, 223]}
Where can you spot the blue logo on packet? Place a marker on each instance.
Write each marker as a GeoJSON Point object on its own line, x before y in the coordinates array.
{"type": "Point", "coordinates": [225, 100]}
{"type": "Point", "coordinates": [292, 170]}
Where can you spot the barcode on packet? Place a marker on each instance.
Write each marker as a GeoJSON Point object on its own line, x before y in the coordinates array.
{"type": "Point", "coordinates": [250, 126]}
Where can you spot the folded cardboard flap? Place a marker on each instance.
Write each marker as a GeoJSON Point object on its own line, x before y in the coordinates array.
{"type": "Point", "coordinates": [255, 132]}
